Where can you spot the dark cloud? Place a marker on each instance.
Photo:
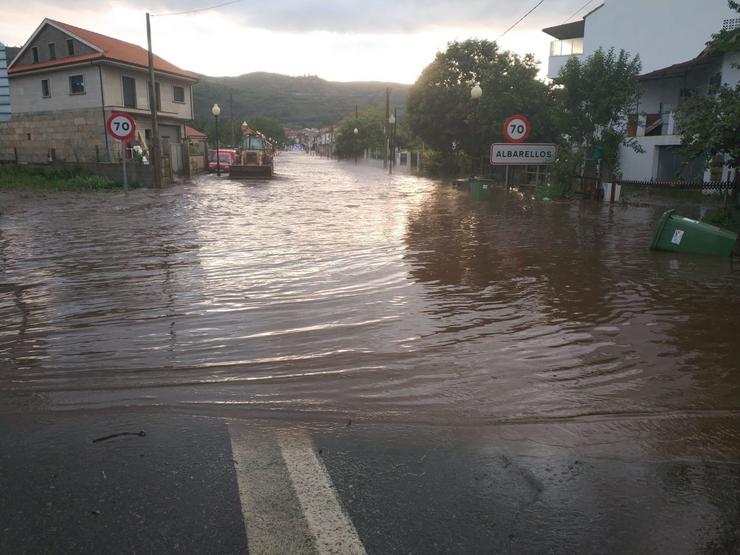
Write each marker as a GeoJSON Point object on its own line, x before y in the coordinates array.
{"type": "Point", "coordinates": [354, 16]}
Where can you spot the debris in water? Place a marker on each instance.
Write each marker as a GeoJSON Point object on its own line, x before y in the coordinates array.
{"type": "Point", "coordinates": [142, 433]}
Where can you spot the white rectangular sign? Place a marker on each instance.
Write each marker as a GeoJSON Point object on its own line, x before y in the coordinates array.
{"type": "Point", "coordinates": [529, 154]}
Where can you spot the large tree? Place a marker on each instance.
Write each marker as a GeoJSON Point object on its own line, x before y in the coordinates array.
{"type": "Point", "coordinates": [442, 113]}
{"type": "Point", "coordinates": [595, 98]}
{"type": "Point", "coordinates": [369, 125]}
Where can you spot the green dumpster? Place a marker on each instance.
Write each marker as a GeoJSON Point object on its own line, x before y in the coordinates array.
{"type": "Point", "coordinates": [480, 187]}
{"type": "Point", "coordinates": [678, 234]}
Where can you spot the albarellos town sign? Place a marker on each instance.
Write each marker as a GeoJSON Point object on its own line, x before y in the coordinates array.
{"type": "Point", "coordinates": [523, 154]}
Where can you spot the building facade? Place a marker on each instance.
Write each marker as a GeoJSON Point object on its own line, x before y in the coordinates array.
{"type": "Point", "coordinates": [66, 81]}
{"type": "Point", "coordinates": [4, 87]}
{"type": "Point", "coordinates": [670, 38]}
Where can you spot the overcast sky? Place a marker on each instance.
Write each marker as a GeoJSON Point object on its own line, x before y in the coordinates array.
{"type": "Point", "coordinates": [341, 40]}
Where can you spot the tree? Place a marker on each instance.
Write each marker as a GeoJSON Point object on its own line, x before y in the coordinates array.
{"type": "Point", "coordinates": [710, 123]}
{"type": "Point", "coordinates": [442, 113]}
{"type": "Point", "coordinates": [594, 100]}
{"type": "Point", "coordinates": [369, 124]}
{"type": "Point", "coordinates": [270, 128]}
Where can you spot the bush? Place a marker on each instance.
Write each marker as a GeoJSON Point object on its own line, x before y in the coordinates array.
{"type": "Point", "coordinates": [14, 177]}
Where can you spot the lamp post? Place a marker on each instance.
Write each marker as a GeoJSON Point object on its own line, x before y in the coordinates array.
{"type": "Point", "coordinates": [475, 93]}
{"type": "Point", "coordinates": [392, 149]}
{"type": "Point", "coordinates": [216, 111]}
{"type": "Point", "coordinates": [356, 131]}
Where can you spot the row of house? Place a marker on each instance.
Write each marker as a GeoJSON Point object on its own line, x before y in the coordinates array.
{"type": "Point", "coordinates": [670, 38]}
{"type": "Point", "coordinates": [65, 82]}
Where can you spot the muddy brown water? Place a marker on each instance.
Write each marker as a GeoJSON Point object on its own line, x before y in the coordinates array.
{"type": "Point", "coordinates": [339, 289]}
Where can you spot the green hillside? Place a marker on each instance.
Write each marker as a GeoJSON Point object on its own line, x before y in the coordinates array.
{"type": "Point", "coordinates": [295, 102]}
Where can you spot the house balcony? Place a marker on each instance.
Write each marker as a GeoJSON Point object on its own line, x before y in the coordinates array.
{"type": "Point", "coordinates": [561, 51]}
{"type": "Point", "coordinates": [654, 125]}
{"type": "Point", "coordinates": [556, 63]}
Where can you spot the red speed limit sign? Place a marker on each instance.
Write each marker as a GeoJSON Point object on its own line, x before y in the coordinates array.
{"type": "Point", "coordinates": [517, 129]}
{"type": "Point", "coordinates": [121, 126]}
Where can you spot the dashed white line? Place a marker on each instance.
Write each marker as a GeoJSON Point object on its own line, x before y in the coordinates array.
{"type": "Point", "coordinates": [330, 525]}
{"type": "Point", "coordinates": [288, 501]}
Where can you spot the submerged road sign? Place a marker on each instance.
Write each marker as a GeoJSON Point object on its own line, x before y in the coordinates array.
{"type": "Point", "coordinates": [529, 154]}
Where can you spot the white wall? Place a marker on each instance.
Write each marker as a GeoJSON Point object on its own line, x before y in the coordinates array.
{"type": "Point", "coordinates": [25, 91]}
{"type": "Point", "coordinates": [663, 32]}
{"type": "Point", "coordinates": [555, 64]}
{"type": "Point", "coordinates": [114, 92]}
{"type": "Point", "coordinates": [730, 74]}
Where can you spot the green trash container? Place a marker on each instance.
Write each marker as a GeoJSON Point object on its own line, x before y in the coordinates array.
{"type": "Point", "coordinates": [480, 187]}
{"type": "Point", "coordinates": [678, 234]}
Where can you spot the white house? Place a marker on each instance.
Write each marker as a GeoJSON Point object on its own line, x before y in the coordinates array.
{"type": "Point", "coordinates": [66, 81]}
{"type": "Point", "coordinates": [654, 125]}
{"type": "Point", "coordinates": [669, 37]}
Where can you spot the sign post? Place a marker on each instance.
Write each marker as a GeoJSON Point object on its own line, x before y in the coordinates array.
{"type": "Point", "coordinates": [516, 152]}
{"type": "Point", "coordinates": [122, 127]}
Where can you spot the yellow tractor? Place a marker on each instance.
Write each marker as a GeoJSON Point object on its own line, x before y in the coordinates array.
{"type": "Point", "coordinates": [254, 156]}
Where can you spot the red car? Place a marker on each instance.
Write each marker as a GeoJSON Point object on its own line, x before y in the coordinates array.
{"type": "Point", "coordinates": [226, 158]}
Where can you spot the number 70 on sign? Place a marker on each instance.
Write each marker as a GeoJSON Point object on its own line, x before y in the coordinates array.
{"type": "Point", "coordinates": [121, 126]}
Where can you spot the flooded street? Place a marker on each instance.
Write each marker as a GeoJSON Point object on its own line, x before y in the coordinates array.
{"type": "Point", "coordinates": [339, 289]}
{"type": "Point", "coordinates": [474, 374]}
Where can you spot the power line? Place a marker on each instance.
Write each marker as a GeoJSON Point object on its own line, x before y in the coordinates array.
{"type": "Point", "coordinates": [521, 19]}
{"type": "Point", "coordinates": [196, 10]}
{"type": "Point", "coordinates": [579, 10]}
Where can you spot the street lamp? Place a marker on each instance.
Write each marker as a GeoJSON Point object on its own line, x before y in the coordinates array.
{"type": "Point", "coordinates": [356, 131]}
{"type": "Point", "coordinates": [392, 122]}
{"type": "Point", "coordinates": [475, 93]}
{"type": "Point", "coordinates": [216, 111]}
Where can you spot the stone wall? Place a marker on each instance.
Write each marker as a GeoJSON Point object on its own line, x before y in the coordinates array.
{"type": "Point", "coordinates": [74, 136]}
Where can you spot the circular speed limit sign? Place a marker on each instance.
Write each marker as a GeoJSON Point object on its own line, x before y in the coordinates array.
{"type": "Point", "coordinates": [121, 126]}
{"type": "Point", "coordinates": [516, 129]}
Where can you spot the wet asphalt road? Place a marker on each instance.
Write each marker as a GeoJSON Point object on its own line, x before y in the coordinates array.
{"type": "Point", "coordinates": [523, 488]}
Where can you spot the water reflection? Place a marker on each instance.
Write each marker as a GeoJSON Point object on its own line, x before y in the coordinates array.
{"type": "Point", "coordinates": [336, 288]}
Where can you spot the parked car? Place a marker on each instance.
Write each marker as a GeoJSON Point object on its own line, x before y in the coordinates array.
{"type": "Point", "coordinates": [225, 156]}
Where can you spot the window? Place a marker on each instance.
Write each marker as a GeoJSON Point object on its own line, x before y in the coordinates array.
{"type": "Point", "coordinates": [52, 51]}
{"type": "Point", "coordinates": [179, 93]}
{"type": "Point", "coordinates": [76, 84]}
{"type": "Point", "coordinates": [70, 47]}
{"type": "Point", "coordinates": [129, 92]}
{"type": "Point", "coordinates": [35, 54]}
{"type": "Point", "coordinates": [45, 89]}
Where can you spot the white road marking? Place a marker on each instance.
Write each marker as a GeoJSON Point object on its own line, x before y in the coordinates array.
{"type": "Point", "coordinates": [288, 502]}
{"type": "Point", "coordinates": [272, 514]}
{"type": "Point", "coordinates": [330, 525]}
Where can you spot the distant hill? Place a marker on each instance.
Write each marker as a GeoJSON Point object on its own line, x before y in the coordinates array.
{"type": "Point", "coordinates": [295, 102]}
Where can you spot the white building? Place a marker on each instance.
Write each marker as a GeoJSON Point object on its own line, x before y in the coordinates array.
{"type": "Point", "coordinates": [670, 37]}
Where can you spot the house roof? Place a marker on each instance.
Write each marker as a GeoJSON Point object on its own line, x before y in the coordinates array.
{"type": "Point", "coordinates": [572, 30]}
{"type": "Point", "coordinates": [192, 133]}
{"type": "Point", "coordinates": [108, 48]}
{"type": "Point", "coordinates": [677, 70]}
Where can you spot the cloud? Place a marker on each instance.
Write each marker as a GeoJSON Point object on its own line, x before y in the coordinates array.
{"type": "Point", "coordinates": [336, 39]}
{"type": "Point", "coordinates": [345, 16]}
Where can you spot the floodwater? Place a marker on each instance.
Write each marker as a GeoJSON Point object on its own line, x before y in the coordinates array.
{"type": "Point", "coordinates": [336, 289]}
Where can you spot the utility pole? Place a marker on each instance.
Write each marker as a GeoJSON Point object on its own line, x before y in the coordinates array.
{"type": "Point", "coordinates": [386, 131]}
{"type": "Point", "coordinates": [155, 154]}
{"type": "Point", "coordinates": [232, 138]}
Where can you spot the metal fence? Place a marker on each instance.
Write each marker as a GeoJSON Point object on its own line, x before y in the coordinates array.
{"type": "Point", "coordinates": [709, 186]}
